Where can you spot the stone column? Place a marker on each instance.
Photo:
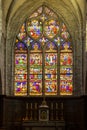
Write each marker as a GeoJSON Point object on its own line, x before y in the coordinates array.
{"type": "Point", "coordinates": [86, 62]}
{"type": "Point", "coordinates": [86, 43]}
{"type": "Point", "coordinates": [0, 45]}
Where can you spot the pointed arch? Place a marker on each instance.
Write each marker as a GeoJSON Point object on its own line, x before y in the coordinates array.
{"type": "Point", "coordinates": [49, 54]}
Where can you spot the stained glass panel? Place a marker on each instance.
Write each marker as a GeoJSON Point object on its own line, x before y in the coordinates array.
{"type": "Point", "coordinates": [51, 87]}
{"type": "Point", "coordinates": [20, 88]}
{"type": "Point", "coordinates": [66, 47]}
{"type": "Point", "coordinates": [66, 59]}
{"type": "Point", "coordinates": [43, 41]}
{"type": "Point", "coordinates": [20, 47]}
{"type": "Point", "coordinates": [66, 70]}
{"type": "Point", "coordinates": [51, 28]}
{"type": "Point", "coordinates": [51, 69]}
{"type": "Point", "coordinates": [22, 32]}
{"type": "Point", "coordinates": [21, 74]}
{"type": "Point", "coordinates": [28, 41]}
{"type": "Point", "coordinates": [50, 12]}
{"type": "Point", "coordinates": [38, 12]}
{"type": "Point", "coordinates": [51, 59]}
{"type": "Point", "coordinates": [35, 86]}
{"type": "Point", "coordinates": [34, 28]}
{"type": "Point", "coordinates": [35, 70]}
{"type": "Point", "coordinates": [51, 47]}
{"type": "Point", "coordinates": [66, 84]}
{"type": "Point", "coordinates": [64, 33]}
{"type": "Point", "coordinates": [35, 47]}
{"type": "Point", "coordinates": [35, 59]}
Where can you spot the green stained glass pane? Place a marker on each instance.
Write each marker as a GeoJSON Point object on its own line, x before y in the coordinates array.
{"type": "Point", "coordinates": [21, 60]}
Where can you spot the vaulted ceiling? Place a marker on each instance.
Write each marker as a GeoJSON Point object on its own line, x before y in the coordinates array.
{"type": "Point", "coordinates": [71, 11]}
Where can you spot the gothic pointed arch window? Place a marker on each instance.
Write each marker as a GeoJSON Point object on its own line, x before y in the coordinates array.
{"type": "Point", "coordinates": [43, 56]}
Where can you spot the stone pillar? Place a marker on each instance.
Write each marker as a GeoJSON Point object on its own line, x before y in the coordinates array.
{"type": "Point", "coordinates": [2, 49]}
{"type": "Point", "coordinates": [0, 45]}
{"type": "Point", "coordinates": [86, 43]}
{"type": "Point", "coordinates": [86, 62]}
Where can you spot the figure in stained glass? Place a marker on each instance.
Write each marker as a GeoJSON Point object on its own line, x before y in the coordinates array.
{"type": "Point", "coordinates": [21, 88]}
{"type": "Point", "coordinates": [35, 87]}
{"type": "Point", "coordinates": [66, 70]}
{"type": "Point", "coordinates": [43, 56]}
{"type": "Point", "coordinates": [51, 47]}
{"type": "Point", "coordinates": [65, 47]}
{"type": "Point", "coordinates": [28, 41]}
{"type": "Point", "coordinates": [51, 59]}
{"type": "Point", "coordinates": [64, 33]}
{"type": "Point", "coordinates": [66, 59]}
{"type": "Point", "coordinates": [57, 40]}
{"type": "Point", "coordinates": [51, 87]}
{"type": "Point", "coordinates": [35, 47]}
{"type": "Point", "coordinates": [22, 32]}
{"type": "Point", "coordinates": [34, 28]}
{"type": "Point", "coordinates": [51, 28]}
{"type": "Point", "coordinates": [66, 85]}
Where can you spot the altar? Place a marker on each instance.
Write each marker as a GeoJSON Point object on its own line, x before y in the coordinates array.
{"type": "Point", "coordinates": [39, 125]}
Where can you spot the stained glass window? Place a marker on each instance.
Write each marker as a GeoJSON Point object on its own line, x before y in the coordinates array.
{"type": "Point", "coordinates": [43, 56]}
{"type": "Point", "coordinates": [35, 70]}
{"type": "Point", "coordinates": [51, 69]}
{"type": "Point", "coordinates": [20, 69]}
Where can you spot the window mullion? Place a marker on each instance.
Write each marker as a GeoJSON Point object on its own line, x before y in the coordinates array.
{"type": "Point", "coordinates": [28, 73]}
{"type": "Point", "coordinates": [43, 72]}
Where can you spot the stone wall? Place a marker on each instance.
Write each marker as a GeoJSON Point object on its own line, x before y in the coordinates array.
{"type": "Point", "coordinates": [11, 24]}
